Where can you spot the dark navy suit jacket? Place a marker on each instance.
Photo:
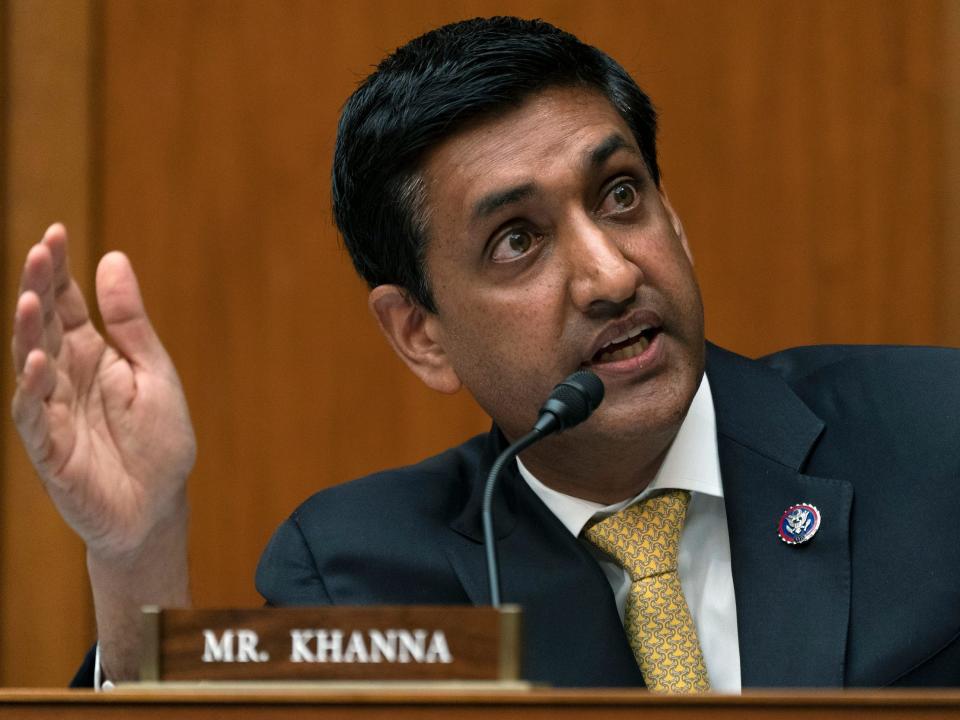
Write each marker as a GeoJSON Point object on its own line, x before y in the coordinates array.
{"type": "Point", "coordinates": [869, 435]}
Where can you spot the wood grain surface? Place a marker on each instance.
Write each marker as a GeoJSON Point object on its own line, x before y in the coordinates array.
{"type": "Point", "coordinates": [440, 702]}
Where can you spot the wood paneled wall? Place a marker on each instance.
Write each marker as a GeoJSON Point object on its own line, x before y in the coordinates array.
{"type": "Point", "coordinates": [810, 149]}
{"type": "Point", "coordinates": [47, 88]}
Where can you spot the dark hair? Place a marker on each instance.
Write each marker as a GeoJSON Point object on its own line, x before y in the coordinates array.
{"type": "Point", "coordinates": [423, 93]}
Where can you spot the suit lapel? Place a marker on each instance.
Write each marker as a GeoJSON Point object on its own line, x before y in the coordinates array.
{"type": "Point", "coordinates": [793, 601]}
{"type": "Point", "coordinates": [572, 630]}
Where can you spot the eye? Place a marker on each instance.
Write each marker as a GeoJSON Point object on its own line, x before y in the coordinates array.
{"type": "Point", "coordinates": [514, 243]}
{"type": "Point", "coordinates": [621, 197]}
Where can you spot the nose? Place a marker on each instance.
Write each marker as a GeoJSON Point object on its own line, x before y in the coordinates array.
{"type": "Point", "coordinates": [603, 278]}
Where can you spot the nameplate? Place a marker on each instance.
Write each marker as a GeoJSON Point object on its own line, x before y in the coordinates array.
{"type": "Point", "coordinates": [412, 643]}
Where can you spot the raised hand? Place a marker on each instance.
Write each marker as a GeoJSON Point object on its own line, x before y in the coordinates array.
{"type": "Point", "coordinates": [107, 428]}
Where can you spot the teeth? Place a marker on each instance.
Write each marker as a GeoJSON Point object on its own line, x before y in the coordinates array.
{"type": "Point", "coordinates": [628, 335]}
{"type": "Point", "coordinates": [627, 352]}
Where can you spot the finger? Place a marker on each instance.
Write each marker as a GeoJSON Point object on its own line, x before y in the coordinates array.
{"type": "Point", "coordinates": [39, 377]}
{"type": "Point", "coordinates": [71, 306]}
{"type": "Point", "coordinates": [27, 329]}
{"type": "Point", "coordinates": [37, 277]}
{"type": "Point", "coordinates": [124, 317]}
{"type": "Point", "coordinates": [55, 240]}
{"type": "Point", "coordinates": [29, 409]}
{"type": "Point", "coordinates": [38, 274]}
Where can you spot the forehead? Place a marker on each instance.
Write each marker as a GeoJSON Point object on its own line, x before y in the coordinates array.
{"type": "Point", "coordinates": [551, 135]}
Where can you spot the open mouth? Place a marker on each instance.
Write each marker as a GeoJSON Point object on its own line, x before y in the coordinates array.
{"type": "Point", "coordinates": [626, 346]}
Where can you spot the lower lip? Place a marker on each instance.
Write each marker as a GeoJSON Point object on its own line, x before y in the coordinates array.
{"type": "Point", "coordinates": [643, 364]}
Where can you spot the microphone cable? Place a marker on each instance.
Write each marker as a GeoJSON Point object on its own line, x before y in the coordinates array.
{"type": "Point", "coordinates": [569, 404]}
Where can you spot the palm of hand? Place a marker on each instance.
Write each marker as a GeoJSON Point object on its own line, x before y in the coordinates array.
{"type": "Point", "coordinates": [121, 443]}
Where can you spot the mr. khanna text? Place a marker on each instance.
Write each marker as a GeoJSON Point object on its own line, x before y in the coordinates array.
{"type": "Point", "coordinates": [332, 646]}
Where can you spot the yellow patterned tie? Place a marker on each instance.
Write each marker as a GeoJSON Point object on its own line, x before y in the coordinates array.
{"type": "Point", "coordinates": [645, 539]}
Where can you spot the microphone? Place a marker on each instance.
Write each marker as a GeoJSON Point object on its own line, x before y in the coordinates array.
{"type": "Point", "coordinates": [570, 403]}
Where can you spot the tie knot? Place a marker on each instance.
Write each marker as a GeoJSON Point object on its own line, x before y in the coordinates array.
{"type": "Point", "coordinates": [644, 537]}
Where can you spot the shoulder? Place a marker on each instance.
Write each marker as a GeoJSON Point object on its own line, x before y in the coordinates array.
{"type": "Point", "coordinates": [426, 489]}
{"type": "Point", "coordinates": [886, 409]}
{"type": "Point", "coordinates": [898, 406]}
{"type": "Point", "coordinates": [365, 539]}
{"type": "Point", "coordinates": [868, 361]}
{"type": "Point", "coordinates": [903, 382]}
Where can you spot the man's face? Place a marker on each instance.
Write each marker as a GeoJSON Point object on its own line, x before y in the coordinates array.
{"type": "Point", "coordinates": [551, 249]}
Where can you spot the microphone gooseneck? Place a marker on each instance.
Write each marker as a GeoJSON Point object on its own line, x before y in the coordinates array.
{"type": "Point", "coordinates": [570, 403]}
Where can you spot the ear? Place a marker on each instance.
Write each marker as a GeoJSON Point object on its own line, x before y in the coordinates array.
{"type": "Point", "coordinates": [415, 335]}
{"type": "Point", "coordinates": [675, 222]}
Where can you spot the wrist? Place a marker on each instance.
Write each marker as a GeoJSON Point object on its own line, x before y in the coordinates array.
{"type": "Point", "coordinates": [153, 572]}
{"type": "Point", "coordinates": [143, 543]}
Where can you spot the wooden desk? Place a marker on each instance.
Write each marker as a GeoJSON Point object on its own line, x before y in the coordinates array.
{"type": "Point", "coordinates": [545, 704]}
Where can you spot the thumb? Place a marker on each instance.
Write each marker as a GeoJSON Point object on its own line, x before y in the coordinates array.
{"type": "Point", "coordinates": [124, 317]}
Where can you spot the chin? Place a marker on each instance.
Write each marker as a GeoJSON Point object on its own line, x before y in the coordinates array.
{"type": "Point", "coordinates": [648, 409]}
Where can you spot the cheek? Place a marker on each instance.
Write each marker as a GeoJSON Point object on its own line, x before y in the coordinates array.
{"type": "Point", "coordinates": [504, 316]}
{"type": "Point", "coordinates": [666, 264]}
{"type": "Point", "coordinates": [507, 351]}
{"type": "Point", "coordinates": [503, 337]}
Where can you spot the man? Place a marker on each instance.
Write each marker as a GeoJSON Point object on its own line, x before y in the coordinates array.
{"type": "Point", "coordinates": [496, 183]}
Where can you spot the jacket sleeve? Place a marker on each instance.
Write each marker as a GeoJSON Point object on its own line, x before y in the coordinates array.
{"type": "Point", "coordinates": [84, 675]}
{"type": "Point", "coordinates": [287, 573]}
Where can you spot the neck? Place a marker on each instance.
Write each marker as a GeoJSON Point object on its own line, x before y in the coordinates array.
{"type": "Point", "coordinates": [600, 471]}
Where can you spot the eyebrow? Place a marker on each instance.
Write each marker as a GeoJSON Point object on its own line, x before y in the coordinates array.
{"type": "Point", "coordinates": [489, 204]}
{"type": "Point", "coordinates": [602, 152]}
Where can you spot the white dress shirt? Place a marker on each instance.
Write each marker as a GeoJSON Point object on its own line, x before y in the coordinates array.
{"type": "Point", "coordinates": [691, 464]}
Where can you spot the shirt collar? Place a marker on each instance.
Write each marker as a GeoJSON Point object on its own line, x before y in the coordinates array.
{"type": "Point", "coordinates": [691, 463]}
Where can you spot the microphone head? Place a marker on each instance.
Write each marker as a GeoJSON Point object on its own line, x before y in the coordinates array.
{"type": "Point", "coordinates": [572, 401]}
